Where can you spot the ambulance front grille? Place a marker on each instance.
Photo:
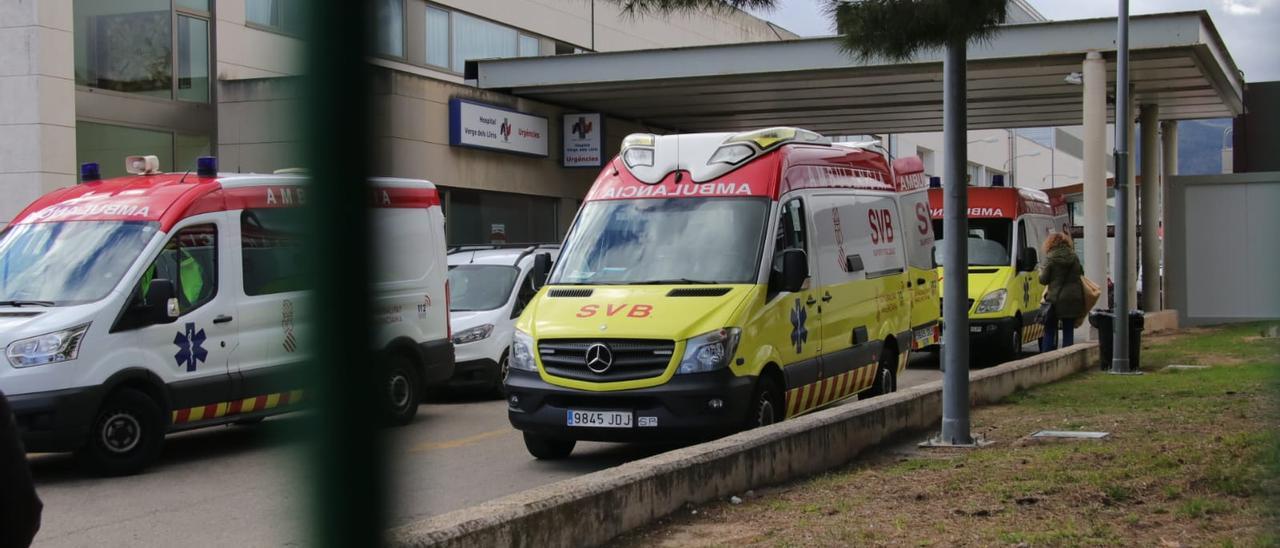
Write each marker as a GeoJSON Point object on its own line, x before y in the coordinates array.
{"type": "Point", "coordinates": [632, 358]}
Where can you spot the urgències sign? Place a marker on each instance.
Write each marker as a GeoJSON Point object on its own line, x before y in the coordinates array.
{"type": "Point", "coordinates": [490, 127]}
{"type": "Point", "coordinates": [583, 140]}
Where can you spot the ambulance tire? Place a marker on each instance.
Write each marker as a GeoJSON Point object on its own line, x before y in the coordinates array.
{"type": "Point", "coordinates": [766, 404]}
{"type": "Point", "coordinates": [400, 390]}
{"type": "Point", "coordinates": [544, 448]}
{"type": "Point", "coordinates": [1011, 349]}
{"type": "Point", "coordinates": [125, 435]}
{"type": "Point", "coordinates": [886, 381]}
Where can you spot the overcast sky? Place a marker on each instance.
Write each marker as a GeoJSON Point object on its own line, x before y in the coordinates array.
{"type": "Point", "coordinates": [1251, 28]}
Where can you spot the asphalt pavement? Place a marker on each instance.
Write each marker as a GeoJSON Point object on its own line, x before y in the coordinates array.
{"type": "Point", "coordinates": [241, 485]}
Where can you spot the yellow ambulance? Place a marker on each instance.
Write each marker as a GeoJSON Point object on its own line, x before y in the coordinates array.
{"type": "Point", "coordinates": [1007, 227]}
{"type": "Point", "coordinates": [714, 282]}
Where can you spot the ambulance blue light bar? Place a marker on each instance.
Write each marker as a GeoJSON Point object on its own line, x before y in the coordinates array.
{"type": "Point", "coordinates": [89, 172]}
{"type": "Point", "coordinates": [207, 166]}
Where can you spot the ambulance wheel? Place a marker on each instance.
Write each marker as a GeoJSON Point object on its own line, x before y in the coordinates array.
{"type": "Point", "coordinates": [544, 448]}
{"type": "Point", "coordinates": [886, 381]}
{"type": "Point", "coordinates": [766, 405]}
{"type": "Point", "coordinates": [125, 435]}
{"type": "Point", "coordinates": [400, 390]}
{"type": "Point", "coordinates": [1012, 348]}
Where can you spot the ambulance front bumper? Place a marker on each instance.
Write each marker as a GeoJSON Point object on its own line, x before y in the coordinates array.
{"type": "Point", "coordinates": [57, 420]}
{"type": "Point", "coordinates": [681, 409]}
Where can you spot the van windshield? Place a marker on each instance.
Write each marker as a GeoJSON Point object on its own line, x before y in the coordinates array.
{"type": "Point", "coordinates": [480, 287]}
{"type": "Point", "coordinates": [665, 241]}
{"type": "Point", "coordinates": [70, 262]}
{"type": "Point", "coordinates": [989, 241]}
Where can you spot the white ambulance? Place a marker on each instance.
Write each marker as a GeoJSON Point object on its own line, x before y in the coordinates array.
{"type": "Point", "coordinates": [160, 302]}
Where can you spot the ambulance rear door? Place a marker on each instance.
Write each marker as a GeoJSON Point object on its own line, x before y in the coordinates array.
{"type": "Point", "coordinates": [922, 277]}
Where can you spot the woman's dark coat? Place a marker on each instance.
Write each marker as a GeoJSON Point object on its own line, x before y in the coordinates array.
{"type": "Point", "coordinates": [1061, 274]}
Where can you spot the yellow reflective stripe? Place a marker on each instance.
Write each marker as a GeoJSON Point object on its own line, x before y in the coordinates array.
{"type": "Point", "coordinates": [272, 400]}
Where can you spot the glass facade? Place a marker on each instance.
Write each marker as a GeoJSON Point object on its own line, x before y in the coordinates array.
{"type": "Point", "coordinates": [108, 145]}
{"type": "Point", "coordinates": [130, 46]}
{"type": "Point", "coordinates": [390, 28]}
{"type": "Point", "coordinates": [454, 37]}
{"type": "Point", "coordinates": [125, 46]}
{"type": "Point", "coordinates": [437, 37]}
{"type": "Point", "coordinates": [480, 217]}
{"type": "Point", "coordinates": [280, 15]}
{"type": "Point", "coordinates": [193, 59]}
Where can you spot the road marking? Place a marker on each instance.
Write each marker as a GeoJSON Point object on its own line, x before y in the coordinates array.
{"type": "Point", "coordinates": [450, 444]}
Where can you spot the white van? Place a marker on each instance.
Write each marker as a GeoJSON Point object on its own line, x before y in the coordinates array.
{"type": "Point", "coordinates": [489, 288]}
{"type": "Point", "coordinates": [160, 302]}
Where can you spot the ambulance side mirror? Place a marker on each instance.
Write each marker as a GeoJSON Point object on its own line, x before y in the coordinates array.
{"type": "Point", "coordinates": [541, 268]}
{"type": "Point", "coordinates": [162, 302]}
{"type": "Point", "coordinates": [1027, 259]}
{"type": "Point", "coordinates": [795, 270]}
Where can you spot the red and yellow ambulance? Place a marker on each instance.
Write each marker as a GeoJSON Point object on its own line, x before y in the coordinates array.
{"type": "Point", "coordinates": [718, 281]}
{"type": "Point", "coordinates": [1007, 226]}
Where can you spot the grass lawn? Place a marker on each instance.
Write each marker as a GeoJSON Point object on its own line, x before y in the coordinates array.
{"type": "Point", "coordinates": [1193, 460]}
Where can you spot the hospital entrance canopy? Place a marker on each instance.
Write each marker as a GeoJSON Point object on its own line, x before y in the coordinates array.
{"type": "Point", "coordinates": [1017, 79]}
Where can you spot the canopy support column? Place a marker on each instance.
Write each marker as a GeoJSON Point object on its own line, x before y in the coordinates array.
{"type": "Point", "coordinates": [1095, 172]}
{"type": "Point", "coordinates": [1150, 199]}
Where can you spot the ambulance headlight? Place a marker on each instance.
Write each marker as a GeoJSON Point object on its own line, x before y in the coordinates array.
{"type": "Point", "coordinates": [992, 302]}
{"type": "Point", "coordinates": [710, 351]}
{"type": "Point", "coordinates": [59, 346]}
{"type": "Point", "coordinates": [474, 334]}
{"type": "Point", "coordinates": [731, 154]}
{"type": "Point", "coordinates": [638, 157]}
{"type": "Point", "coordinates": [522, 352]}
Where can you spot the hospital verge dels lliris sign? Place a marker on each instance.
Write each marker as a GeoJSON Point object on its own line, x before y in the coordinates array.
{"type": "Point", "coordinates": [491, 127]}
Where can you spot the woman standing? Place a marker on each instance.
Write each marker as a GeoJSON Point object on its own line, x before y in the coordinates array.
{"type": "Point", "coordinates": [1060, 273]}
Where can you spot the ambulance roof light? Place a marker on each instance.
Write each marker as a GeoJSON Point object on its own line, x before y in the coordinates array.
{"type": "Point", "coordinates": [639, 140]}
{"type": "Point", "coordinates": [89, 172]}
{"type": "Point", "coordinates": [768, 138]}
{"type": "Point", "coordinates": [935, 182]}
{"type": "Point", "coordinates": [207, 166]}
{"type": "Point", "coordinates": [142, 165]}
{"type": "Point", "coordinates": [637, 149]}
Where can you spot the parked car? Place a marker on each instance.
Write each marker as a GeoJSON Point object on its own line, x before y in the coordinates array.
{"type": "Point", "coordinates": [490, 286]}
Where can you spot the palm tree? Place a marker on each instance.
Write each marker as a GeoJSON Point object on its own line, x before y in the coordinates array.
{"type": "Point", "coordinates": [896, 30]}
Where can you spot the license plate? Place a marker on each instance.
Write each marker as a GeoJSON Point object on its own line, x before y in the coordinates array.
{"type": "Point", "coordinates": [599, 419]}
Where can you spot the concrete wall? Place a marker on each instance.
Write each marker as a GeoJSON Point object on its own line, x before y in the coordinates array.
{"type": "Point", "coordinates": [37, 101]}
{"type": "Point", "coordinates": [258, 128]}
{"type": "Point", "coordinates": [1221, 257]}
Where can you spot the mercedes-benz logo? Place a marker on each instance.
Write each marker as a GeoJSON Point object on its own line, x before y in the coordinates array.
{"type": "Point", "coordinates": [599, 358]}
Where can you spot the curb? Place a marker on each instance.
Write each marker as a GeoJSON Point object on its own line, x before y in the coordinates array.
{"type": "Point", "coordinates": [592, 509]}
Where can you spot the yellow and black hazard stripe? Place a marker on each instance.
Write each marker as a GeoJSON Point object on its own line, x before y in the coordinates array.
{"type": "Point", "coordinates": [236, 407]}
{"type": "Point", "coordinates": [804, 398]}
{"type": "Point", "coordinates": [1032, 332]}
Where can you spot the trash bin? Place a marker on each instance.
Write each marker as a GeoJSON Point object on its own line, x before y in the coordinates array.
{"type": "Point", "coordinates": [1102, 321]}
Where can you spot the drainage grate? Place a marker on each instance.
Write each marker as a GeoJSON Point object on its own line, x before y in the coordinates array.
{"type": "Point", "coordinates": [1072, 435]}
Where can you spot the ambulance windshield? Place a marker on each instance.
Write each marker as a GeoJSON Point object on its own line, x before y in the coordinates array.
{"type": "Point", "coordinates": [66, 263]}
{"type": "Point", "coordinates": [989, 241]}
{"type": "Point", "coordinates": [665, 241]}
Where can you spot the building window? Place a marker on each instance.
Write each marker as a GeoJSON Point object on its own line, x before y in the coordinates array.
{"type": "Point", "coordinates": [390, 28]}
{"type": "Point", "coordinates": [125, 47]}
{"type": "Point", "coordinates": [528, 46]}
{"type": "Point", "coordinates": [437, 37]}
{"type": "Point", "coordinates": [285, 16]}
{"type": "Point", "coordinates": [193, 59]}
{"type": "Point", "coordinates": [479, 39]}
{"type": "Point", "coordinates": [481, 217]}
{"type": "Point", "coordinates": [130, 47]}
{"type": "Point", "coordinates": [108, 145]}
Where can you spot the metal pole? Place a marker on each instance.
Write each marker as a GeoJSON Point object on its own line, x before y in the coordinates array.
{"type": "Point", "coordinates": [955, 262]}
{"type": "Point", "coordinates": [344, 453]}
{"type": "Point", "coordinates": [1120, 356]}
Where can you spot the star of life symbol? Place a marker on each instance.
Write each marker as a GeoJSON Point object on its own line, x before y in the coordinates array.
{"type": "Point", "coordinates": [190, 347]}
{"type": "Point", "coordinates": [799, 335]}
